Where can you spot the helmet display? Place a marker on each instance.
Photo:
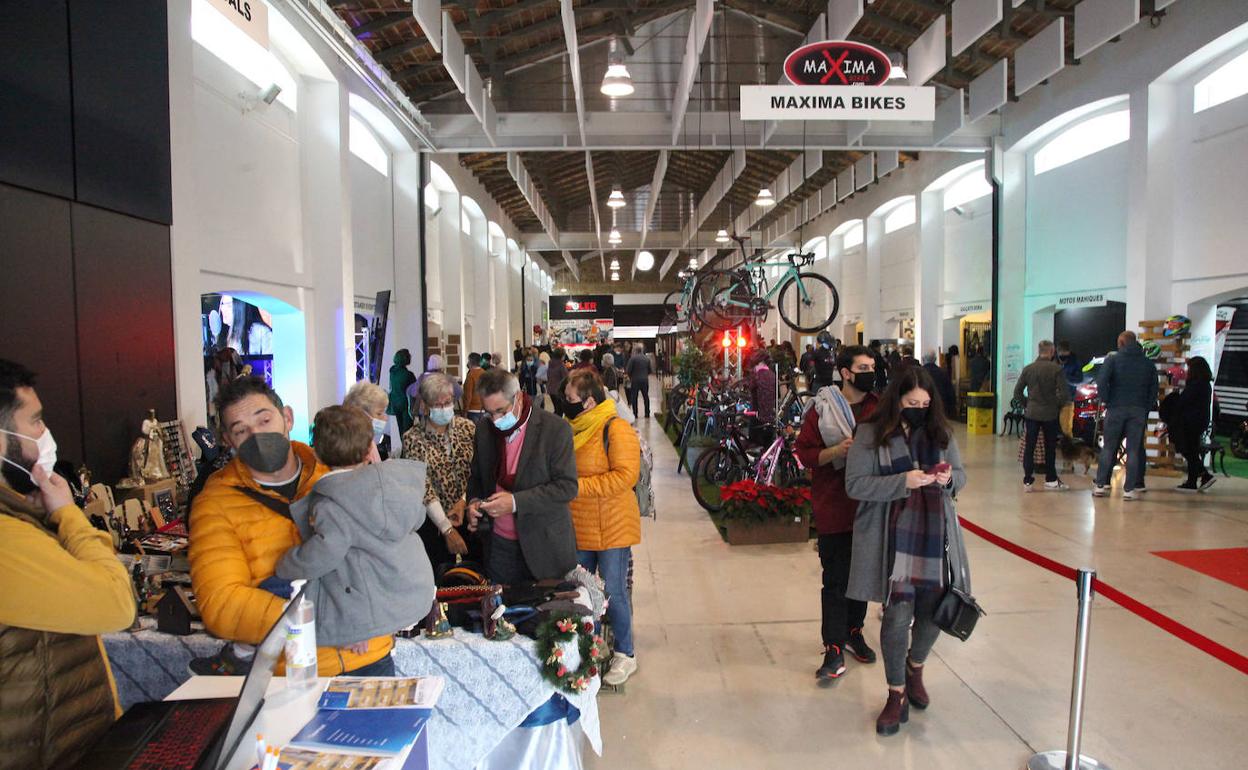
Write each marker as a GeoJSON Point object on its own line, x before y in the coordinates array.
{"type": "Point", "coordinates": [1177, 324]}
{"type": "Point", "coordinates": [1151, 349]}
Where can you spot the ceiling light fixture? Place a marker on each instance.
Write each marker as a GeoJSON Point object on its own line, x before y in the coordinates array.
{"type": "Point", "coordinates": [617, 81]}
{"type": "Point", "coordinates": [645, 261]}
{"type": "Point", "coordinates": [693, 262]}
{"type": "Point", "coordinates": [614, 237]}
{"type": "Point", "coordinates": [721, 236]}
{"type": "Point", "coordinates": [616, 199]}
{"type": "Point", "coordinates": [897, 72]}
{"type": "Point", "coordinates": [765, 198]}
{"type": "Point", "coordinates": [615, 264]}
{"type": "Point", "coordinates": [615, 276]}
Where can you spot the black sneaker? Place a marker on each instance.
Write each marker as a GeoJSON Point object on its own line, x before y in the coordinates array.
{"type": "Point", "coordinates": [833, 664]}
{"type": "Point", "coordinates": [858, 647]}
{"type": "Point", "coordinates": [224, 663]}
{"type": "Point", "coordinates": [1207, 481]}
{"type": "Point", "coordinates": [1187, 487]}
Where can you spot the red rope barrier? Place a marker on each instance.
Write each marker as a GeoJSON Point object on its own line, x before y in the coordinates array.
{"type": "Point", "coordinates": [1170, 625]}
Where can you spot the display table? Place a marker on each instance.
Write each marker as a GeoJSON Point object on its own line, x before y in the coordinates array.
{"type": "Point", "coordinates": [492, 688]}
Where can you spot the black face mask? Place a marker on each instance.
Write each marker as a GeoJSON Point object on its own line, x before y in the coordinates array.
{"type": "Point", "coordinates": [265, 452]}
{"type": "Point", "coordinates": [571, 410]}
{"type": "Point", "coordinates": [915, 416]}
{"type": "Point", "coordinates": [19, 482]}
{"type": "Point", "coordinates": [863, 381]}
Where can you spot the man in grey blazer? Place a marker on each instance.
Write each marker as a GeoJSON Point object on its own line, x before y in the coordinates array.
{"type": "Point", "coordinates": [523, 477]}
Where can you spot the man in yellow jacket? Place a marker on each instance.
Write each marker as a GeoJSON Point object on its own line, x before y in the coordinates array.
{"type": "Point", "coordinates": [605, 512]}
{"type": "Point", "coordinates": [240, 527]}
{"type": "Point", "coordinates": [60, 586]}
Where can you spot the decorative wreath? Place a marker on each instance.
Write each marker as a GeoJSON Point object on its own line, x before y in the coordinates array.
{"type": "Point", "coordinates": [556, 631]}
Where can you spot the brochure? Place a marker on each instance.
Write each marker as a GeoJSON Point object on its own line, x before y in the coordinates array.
{"type": "Point", "coordinates": [378, 731]}
{"type": "Point", "coordinates": [382, 692]}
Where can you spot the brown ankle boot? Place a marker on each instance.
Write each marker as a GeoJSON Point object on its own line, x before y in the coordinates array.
{"type": "Point", "coordinates": [916, 693]}
{"type": "Point", "coordinates": [895, 712]}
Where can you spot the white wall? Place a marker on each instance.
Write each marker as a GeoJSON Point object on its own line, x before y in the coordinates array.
{"type": "Point", "coordinates": [968, 253]}
{"type": "Point", "coordinates": [372, 229]}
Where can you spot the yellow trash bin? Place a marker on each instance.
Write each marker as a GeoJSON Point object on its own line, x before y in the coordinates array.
{"type": "Point", "coordinates": [979, 413]}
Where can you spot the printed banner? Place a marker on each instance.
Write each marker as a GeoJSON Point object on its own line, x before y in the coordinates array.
{"type": "Point", "coordinates": [912, 103]}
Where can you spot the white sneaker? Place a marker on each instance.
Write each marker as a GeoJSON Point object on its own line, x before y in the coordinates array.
{"type": "Point", "coordinates": [621, 668]}
{"type": "Point", "coordinates": [1131, 494]}
{"type": "Point", "coordinates": [1100, 491]}
{"type": "Point", "coordinates": [1056, 486]}
{"type": "Point", "coordinates": [1028, 487]}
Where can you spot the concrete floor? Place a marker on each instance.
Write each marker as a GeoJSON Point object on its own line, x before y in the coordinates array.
{"type": "Point", "coordinates": [728, 640]}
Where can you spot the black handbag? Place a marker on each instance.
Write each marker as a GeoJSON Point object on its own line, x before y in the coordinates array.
{"type": "Point", "coordinates": [958, 612]}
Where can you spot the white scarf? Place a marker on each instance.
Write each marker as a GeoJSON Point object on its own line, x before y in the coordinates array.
{"type": "Point", "coordinates": [836, 419]}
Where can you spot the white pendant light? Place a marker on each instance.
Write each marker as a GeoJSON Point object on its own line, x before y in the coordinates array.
{"type": "Point", "coordinates": [616, 199]}
{"type": "Point", "coordinates": [615, 264]}
{"type": "Point", "coordinates": [765, 198]}
{"type": "Point", "coordinates": [614, 238]}
{"type": "Point", "coordinates": [615, 276]}
{"type": "Point", "coordinates": [693, 262]}
{"type": "Point", "coordinates": [721, 236]}
{"type": "Point", "coordinates": [645, 261]}
{"type": "Point", "coordinates": [617, 82]}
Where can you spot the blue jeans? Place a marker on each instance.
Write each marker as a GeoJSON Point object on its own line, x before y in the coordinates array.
{"type": "Point", "coordinates": [612, 564]}
{"type": "Point", "coordinates": [1129, 422]}
{"type": "Point", "coordinates": [382, 667]}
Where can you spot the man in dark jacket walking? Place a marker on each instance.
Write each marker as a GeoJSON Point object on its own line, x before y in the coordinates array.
{"type": "Point", "coordinates": [638, 371]}
{"type": "Point", "coordinates": [944, 385]}
{"type": "Point", "coordinates": [1044, 384]}
{"type": "Point", "coordinates": [1127, 385]}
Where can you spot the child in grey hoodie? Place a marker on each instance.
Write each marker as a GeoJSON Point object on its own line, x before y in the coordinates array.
{"type": "Point", "coordinates": [366, 565]}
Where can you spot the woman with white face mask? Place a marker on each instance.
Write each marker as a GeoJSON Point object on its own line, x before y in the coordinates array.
{"type": "Point", "coordinates": [372, 400]}
{"type": "Point", "coordinates": [443, 441]}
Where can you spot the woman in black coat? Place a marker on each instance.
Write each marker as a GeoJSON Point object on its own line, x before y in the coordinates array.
{"type": "Point", "coordinates": [1191, 420]}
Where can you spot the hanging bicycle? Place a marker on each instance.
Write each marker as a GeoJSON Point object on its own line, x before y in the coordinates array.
{"type": "Point", "coordinates": [677, 306]}
{"type": "Point", "coordinates": [807, 301]}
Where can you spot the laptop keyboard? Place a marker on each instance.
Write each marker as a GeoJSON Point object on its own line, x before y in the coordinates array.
{"type": "Point", "coordinates": [186, 733]}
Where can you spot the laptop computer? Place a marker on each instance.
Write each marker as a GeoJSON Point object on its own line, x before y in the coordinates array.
{"type": "Point", "coordinates": [191, 734]}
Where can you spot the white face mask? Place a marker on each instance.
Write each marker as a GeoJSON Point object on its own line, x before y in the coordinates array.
{"type": "Point", "coordinates": [47, 450]}
{"type": "Point", "coordinates": [379, 430]}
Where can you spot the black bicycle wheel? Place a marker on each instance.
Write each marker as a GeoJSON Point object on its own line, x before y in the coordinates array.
{"type": "Point", "coordinates": [714, 470]}
{"type": "Point", "coordinates": [795, 407]}
{"type": "Point", "coordinates": [672, 309]}
{"type": "Point", "coordinates": [789, 473]}
{"type": "Point", "coordinates": [722, 300]}
{"type": "Point", "coordinates": [817, 287]}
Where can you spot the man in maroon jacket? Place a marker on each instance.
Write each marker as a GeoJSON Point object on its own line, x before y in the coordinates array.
{"type": "Point", "coordinates": [824, 441]}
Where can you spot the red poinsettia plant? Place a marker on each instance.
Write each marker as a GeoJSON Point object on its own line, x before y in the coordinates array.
{"type": "Point", "coordinates": [750, 501]}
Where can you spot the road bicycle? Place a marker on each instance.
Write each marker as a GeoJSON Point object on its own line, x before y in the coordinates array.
{"type": "Point", "coordinates": [737, 458]}
{"type": "Point", "coordinates": [678, 303]}
{"type": "Point", "coordinates": [725, 299]}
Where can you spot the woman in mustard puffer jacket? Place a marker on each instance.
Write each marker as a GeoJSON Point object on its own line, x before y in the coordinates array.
{"type": "Point", "coordinates": [605, 512]}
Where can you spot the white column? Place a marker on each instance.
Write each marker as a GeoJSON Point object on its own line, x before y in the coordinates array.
{"type": "Point", "coordinates": [325, 193]}
{"type": "Point", "coordinates": [1012, 325]}
{"type": "Point", "coordinates": [929, 271]}
{"type": "Point", "coordinates": [872, 318]}
{"type": "Point", "coordinates": [1151, 173]}
{"type": "Point", "coordinates": [407, 306]}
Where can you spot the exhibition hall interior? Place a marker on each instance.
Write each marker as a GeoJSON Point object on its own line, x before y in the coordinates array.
{"type": "Point", "coordinates": [646, 384]}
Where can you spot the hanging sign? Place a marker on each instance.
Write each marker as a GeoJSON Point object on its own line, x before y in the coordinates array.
{"type": "Point", "coordinates": [1085, 299]}
{"type": "Point", "coordinates": [838, 103]}
{"type": "Point", "coordinates": [837, 63]}
{"type": "Point", "coordinates": [973, 307]}
{"type": "Point", "coordinates": [251, 16]}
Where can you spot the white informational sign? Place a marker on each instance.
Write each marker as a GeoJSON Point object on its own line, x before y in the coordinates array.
{"type": "Point", "coordinates": [869, 103]}
{"type": "Point", "coordinates": [1082, 299]}
{"type": "Point", "coordinates": [1013, 365]}
{"type": "Point", "coordinates": [251, 16]}
{"type": "Point", "coordinates": [971, 307]}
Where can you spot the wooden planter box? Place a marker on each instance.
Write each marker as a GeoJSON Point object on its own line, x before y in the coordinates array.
{"type": "Point", "coordinates": [769, 532]}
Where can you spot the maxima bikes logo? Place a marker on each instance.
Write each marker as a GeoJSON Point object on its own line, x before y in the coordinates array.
{"type": "Point", "coordinates": [837, 63]}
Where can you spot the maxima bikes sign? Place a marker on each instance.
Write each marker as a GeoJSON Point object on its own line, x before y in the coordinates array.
{"type": "Point", "coordinates": [837, 80]}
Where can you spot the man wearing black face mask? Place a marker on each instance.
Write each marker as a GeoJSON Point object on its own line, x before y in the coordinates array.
{"type": "Point", "coordinates": [823, 444]}
{"type": "Point", "coordinates": [241, 526]}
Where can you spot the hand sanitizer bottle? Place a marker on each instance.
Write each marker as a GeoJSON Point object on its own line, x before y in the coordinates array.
{"type": "Point", "coordinates": [301, 670]}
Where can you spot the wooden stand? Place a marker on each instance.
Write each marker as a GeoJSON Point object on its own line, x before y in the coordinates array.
{"type": "Point", "coordinates": [1159, 452]}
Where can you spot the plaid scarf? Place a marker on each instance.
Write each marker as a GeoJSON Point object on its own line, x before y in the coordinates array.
{"type": "Point", "coordinates": [916, 523]}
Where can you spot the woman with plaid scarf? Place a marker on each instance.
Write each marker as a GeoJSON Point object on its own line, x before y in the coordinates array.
{"type": "Point", "coordinates": [905, 469]}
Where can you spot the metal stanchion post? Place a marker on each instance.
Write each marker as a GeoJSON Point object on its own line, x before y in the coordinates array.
{"type": "Point", "coordinates": [1071, 759]}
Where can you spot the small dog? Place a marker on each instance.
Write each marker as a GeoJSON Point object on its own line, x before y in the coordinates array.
{"type": "Point", "coordinates": [1076, 451]}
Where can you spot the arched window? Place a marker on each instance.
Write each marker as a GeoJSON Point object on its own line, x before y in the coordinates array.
{"type": "Point", "coordinates": [971, 187]}
{"type": "Point", "coordinates": [1083, 139]}
{"type": "Point", "coordinates": [231, 45]}
{"type": "Point", "coordinates": [900, 217]}
{"type": "Point", "coordinates": [366, 146]}
{"type": "Point", "coordinates": [1222, 85]}
{"type": "Point", "coordinates": [851, 233]}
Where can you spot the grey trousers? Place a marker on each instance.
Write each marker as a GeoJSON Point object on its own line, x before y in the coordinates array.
{"type": "Point", "coordinates": [898, 639]}
{"type": "Point", "coordinates": [1129, 422]}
